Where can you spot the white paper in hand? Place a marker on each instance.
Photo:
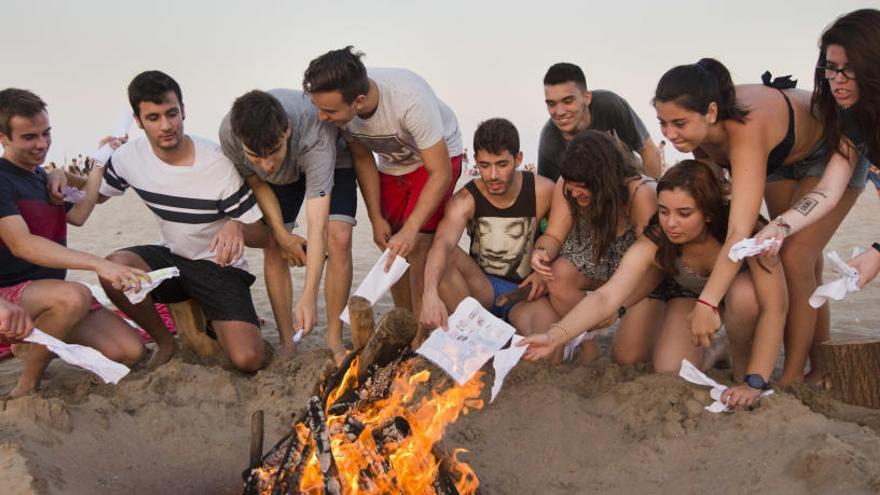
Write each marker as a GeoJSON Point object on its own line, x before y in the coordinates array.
{"type": "Point", "coordinates": [749, 247]}
{"type": "Point", "coordinates": [474, 336]}
{"type": "Point", "coordinates": [504, 361]}
{"type": "Point", "coordinates": [156, 278]}
{"type": "Point", "coordinates": [690, 373]}
{"type": "Point", "coordinates": [73, 195]}
{"type": "Point", "coordinates": [82, 356]}
{"type": "Point", "coordinates": [123, 123]}
{"type": "Point", "coordinates": [840, 288]}
{"type": "Point", "coordinates": [377, 282]}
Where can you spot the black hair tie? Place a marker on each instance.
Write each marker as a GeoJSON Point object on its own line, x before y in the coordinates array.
{"type": "Point", "coordinates": [782, 82]}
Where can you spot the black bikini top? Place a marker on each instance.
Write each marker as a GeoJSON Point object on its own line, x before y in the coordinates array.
{"type": "Point", "coordinates": [780, 152]}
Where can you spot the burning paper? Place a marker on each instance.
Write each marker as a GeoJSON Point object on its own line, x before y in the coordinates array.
{"type": "Point", "coordinates": [156, 278]}
{"type": "Point", "coordinates": [504, 361]}
{"type": "Point", "coordinates": [690, 373]}
{"type": "Point", "coordinates": [378, 282]}
{"type": "Point", "coordinates": [840, 288]}
{"type": "Point", "coordinates": [749, 247]}
{"type": "Point", "coordinates": [123, 122]}
{"type": "Point", "coordinates": [82, 356]}
{"type": "Point", "coordinates": [474, 336]}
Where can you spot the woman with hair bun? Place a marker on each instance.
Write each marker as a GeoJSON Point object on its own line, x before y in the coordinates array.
{"type": "Point", "coordinates": [773, 146]}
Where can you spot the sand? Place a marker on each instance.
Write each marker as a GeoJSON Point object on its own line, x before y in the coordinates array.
{"type": "Point", "coordinates": [184, 428]}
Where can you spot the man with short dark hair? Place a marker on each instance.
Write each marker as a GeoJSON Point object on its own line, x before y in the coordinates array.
{"type": "Point", "coordinates": [501, 210]}
{"type": "Point", "coordinates": [573, 108]}
{"type": "Point", "coordinates": [395, 114]}
{"type": "Point", "coordinates": [34, 258]}
{"type": "Point", "coordinates": [206, 213]}
{"type": "Point", "coordinates": [288, 156]}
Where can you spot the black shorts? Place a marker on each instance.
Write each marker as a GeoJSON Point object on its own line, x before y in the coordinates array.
{"type": "Point", "coordinates": [223, 292]}
{"type": "Point", "coordinates": [343, 197]}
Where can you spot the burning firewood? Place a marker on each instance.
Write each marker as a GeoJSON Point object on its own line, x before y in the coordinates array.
{"type": "Point", "coordinates": [375, 424]}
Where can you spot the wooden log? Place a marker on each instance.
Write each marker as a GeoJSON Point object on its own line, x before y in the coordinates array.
{"type": "Point", "coordinates": [257, 438]}
{"type": "Point", "coordinates": [851, 367]}
{"type": "Point", "coordinates": [393, 335]}
{"type": "Point", "coordinates": [360, 314]}
{"type": "Point", "coordinates": [190, 322]}
{"type": "Point", "coordinates": [318, 425]}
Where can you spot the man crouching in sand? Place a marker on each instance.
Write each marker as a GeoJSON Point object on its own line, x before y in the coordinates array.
{"type": "Point", "coordinates": [502, 208]}
{"type": "Point", "coordinates": [204, 210]}
{"type": "Point", "coordinates": [34, 258]}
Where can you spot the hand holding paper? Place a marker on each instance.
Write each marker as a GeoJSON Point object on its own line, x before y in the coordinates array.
{"type": "Point", "coordinates": [840, 288]}
{"type": "Point", "coordinates": [156, 278]}
{"type": "Point", "coordinates": [749, 247]}
{"type": "Point", "coordinates": [107, 147]}
{"type": "Point", "coordinates": [378, 281]}
{"type": "Point", "coordinates": [690, 373]}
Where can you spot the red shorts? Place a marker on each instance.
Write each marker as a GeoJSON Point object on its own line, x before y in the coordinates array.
{"type": "Point", "coordinates": [398, 195]}
{"type": "Point", "coordinates": [13, 294]}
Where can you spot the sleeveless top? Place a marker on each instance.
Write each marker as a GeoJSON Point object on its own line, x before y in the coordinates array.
{"type": "Point", "coordinates": [502, 238]}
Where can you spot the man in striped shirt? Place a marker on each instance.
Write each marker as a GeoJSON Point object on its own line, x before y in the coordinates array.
{"type": "Point", "coordinates": [205, 213]}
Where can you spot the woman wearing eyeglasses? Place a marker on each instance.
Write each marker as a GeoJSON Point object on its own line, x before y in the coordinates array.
{"type": "Point", "coordinates": [772, 144]}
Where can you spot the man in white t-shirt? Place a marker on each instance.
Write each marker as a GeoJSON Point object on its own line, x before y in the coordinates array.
{"type": "Point", "coordinates": [205, 212]}
{"type": "Point", "coordinates": [395, 114]}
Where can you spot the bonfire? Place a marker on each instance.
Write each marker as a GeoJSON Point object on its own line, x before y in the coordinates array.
{"type": "Point", "coordinates": [374, 424]}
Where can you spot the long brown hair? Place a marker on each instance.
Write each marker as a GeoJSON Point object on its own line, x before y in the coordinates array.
{"type": "Point", "coordinates": [859, 34]}
{"type": "Point", "coordinates": [703, 184]}
{"type": "Point", "coordinates": [695, 86]}
{"type": "Point", "coordinates": [604, 165]}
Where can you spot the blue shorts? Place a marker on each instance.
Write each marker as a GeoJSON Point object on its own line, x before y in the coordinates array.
{"type": "Point", "coordinates": [874, 178]}
{"type": "Point", "coordinates": [501, 286]}
{"type": "Point", "coordinates": [814, 165]}
{"type": "Point", "coordinates": [343, 198]}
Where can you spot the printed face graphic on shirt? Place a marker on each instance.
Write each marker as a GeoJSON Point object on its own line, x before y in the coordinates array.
{"type": "Point", "coordinates": [501, 245]}
{"type": "Point", "coordinates": [390, 148]}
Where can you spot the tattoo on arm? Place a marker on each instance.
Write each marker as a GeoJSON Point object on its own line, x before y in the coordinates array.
{"type": "Point", "coordinates": [820, 193]}
{"type": "Point", "coordinates": [805, 205]}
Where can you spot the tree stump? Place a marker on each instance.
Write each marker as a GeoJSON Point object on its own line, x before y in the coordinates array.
{"type": "Point", "coordinates": [190, 321]}
{"type": "Point", "coordinates": [851, 368]}
{"type": "Point", "coordinates": [360, 314]}
{"type": "Point", "coordinates": [394, 333]}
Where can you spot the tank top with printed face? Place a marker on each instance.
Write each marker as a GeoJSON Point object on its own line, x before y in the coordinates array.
{"type": "Point", "coordinates": [502, 238]}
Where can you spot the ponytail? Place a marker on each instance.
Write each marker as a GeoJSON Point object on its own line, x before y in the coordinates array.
{"type": "Point", "coordinates": [696, 86]}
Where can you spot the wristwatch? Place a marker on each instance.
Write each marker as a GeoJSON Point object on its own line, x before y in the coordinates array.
{"type": "Point", "coordinates": [621, 311]}
{"type": "Point", "coordinates": [756, 381]}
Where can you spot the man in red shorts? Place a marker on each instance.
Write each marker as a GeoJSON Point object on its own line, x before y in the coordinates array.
{"type": "Point", "coordinates": [34, 258]}
{"type": "Point", "coordinates": [395, 114]}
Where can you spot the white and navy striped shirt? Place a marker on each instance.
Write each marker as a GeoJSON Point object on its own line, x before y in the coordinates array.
{"type": "Point", "coordinates": [190, 202]}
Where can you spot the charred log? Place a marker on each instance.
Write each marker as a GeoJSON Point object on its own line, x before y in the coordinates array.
{"type": "Point", "coordinates": [318, 427]}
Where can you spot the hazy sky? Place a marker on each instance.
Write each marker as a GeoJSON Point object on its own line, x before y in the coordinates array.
{"type": "Point", "coordinates": [485, 59]}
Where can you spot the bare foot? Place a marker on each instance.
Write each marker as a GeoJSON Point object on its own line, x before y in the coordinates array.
{"type": "Point", "coordinates": [589, 351]}
{"type": "Point", "coordinates": [163, 353]}
{"type": "Point", "coordinates": [814, 376]}
{"type": "Point", "coordinates": [21, 389]}
{"type": "Point", "coordinates": [288, 349]}
{"type": "Point", "coordinates": [337, 348]}
{"type": "Point", "coordinates": [785, 380]}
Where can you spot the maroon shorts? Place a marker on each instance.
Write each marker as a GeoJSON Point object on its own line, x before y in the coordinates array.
{"type": "Point", "coordinates": [398, 195]}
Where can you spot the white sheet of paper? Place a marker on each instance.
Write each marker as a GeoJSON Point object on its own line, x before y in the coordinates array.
{"type": "Point", "coordinates": [98, 293]}
{"type": "Point", "coordinates": [840, 288]}
{"type": "Point", "coordinates": [692, 374]}
{"type": "Point", "coordinates": [82, 356]}
{"type": "Point", "coordinates": [474, 336]}
{"type": "Point", "coordinates": [156, 278]}
{"type": "Point", "coordinates": [748, 247]}
{"type": "Point", "coordinates": [504, 361]}
{"type": "Point", "coordinates": [73, 195]}
{"type": "Point", "coordinates": [377, 282]}
{"type": "Point", "coordinates": [298, 336]}
{"type": "Point", "coordinates": [120, 128]}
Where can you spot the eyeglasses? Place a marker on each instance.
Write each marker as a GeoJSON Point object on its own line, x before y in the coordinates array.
{"type": "Point", "coordinates": [831, 72]}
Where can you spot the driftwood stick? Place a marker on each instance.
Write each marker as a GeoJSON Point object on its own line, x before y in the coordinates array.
{"type": "Point", "coordinates": [392, 336]}
{"type": "Point", "coordinates": [318, 427]}
{"type": "Point", "coordinates": [360, 314]}
{"type": "Point", "coordinates": [257, 438]}
{"type": "Point", "coordinates": [852, 370]}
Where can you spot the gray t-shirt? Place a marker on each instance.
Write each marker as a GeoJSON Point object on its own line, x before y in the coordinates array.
{"type": "Point", "coordinates": [315, 148]}
{"type": "Point", "coordinates": [609, 112]}
{"type": "Point", "coordinates": [409, 118]}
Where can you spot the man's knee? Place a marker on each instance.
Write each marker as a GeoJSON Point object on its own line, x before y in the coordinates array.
{"type": "Point", "coordinates": [71, 299]}
{"type": "Point", "coordinates": [339, 241]}
{"type": "Point", "coordinates": [248, 358]}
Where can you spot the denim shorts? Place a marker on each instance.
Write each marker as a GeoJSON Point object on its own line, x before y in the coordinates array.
{"type": "Point", "coordinates": [814, 165]}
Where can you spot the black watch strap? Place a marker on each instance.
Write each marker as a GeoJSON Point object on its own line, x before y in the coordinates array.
{"type": "Point", "coordinates": [621, 311]}
{"type": "Point", "coordinates": [756, 381]}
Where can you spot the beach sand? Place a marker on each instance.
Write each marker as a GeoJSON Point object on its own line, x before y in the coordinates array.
{"type": "Point", "coordinates": [185, 427]}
